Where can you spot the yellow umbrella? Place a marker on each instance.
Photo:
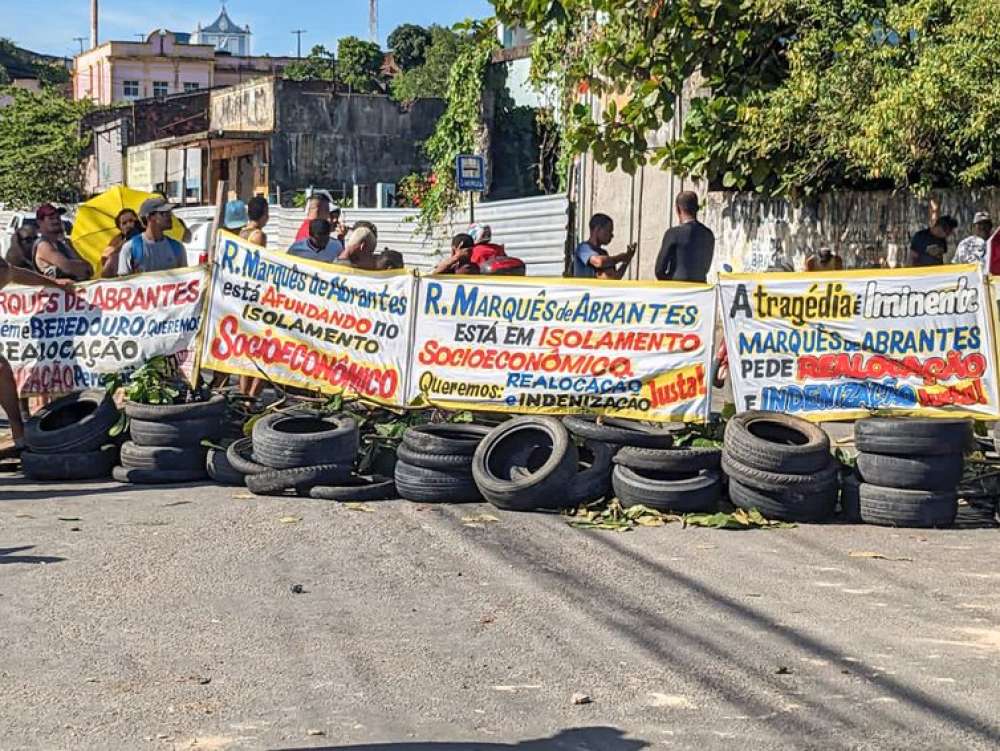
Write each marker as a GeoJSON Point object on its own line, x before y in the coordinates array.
{"type": "Point", "coordinates": [94, 225]}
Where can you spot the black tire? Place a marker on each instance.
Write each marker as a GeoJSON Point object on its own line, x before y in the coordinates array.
{"type": "Point", "coordinates": [445, 438]}
{"type": "Point", "coordinates": [300, 479]}
{"type": "Point", "coordinates": [177, 432]}
{"type": "Point", "coordinates": [591, 482]}
{"type": "Point", "coordinates": [778, 481]}
{"type": "Point", "coordinates": [86, 465]}
{"type": "Point", "coordinates": [357, 488]}
{"type": "Point", "coordinates": [434, 461]}
{"type": "Point", "coordinates": [619, 432]}
{"type": "Point", "coordinates": [911, 436]}
{"type": "Point", "coordinates": [850, 497]}
{"type": "Point", "coordinates": [162, 457]}
{"type": "Point", "coordinates": [221, 471]}
{"type": "Point", "coordinates": [930, 472]}
{"type": "Point", "coordinates": [241, 458]}
{"type": "Point", "coordinates": [428, 485]}
{"type": "Point", "coordinates": [542, 445]}
{"type": "Point", "coordinates": [215, 407]}
{"type": "Point", "coordinates": [290, 440]}
{"type": "Point", "coordinates": [892, 507]}
{"type": "Point", "coordinates": [76, 423]}
{"type": "Point", "coordinates": [157, 476]}
{"type": "Point", "coordinates": [776, 442]}
{"type": "Point", "coordinates": [691, 460]}
{"type": "Point", "coordinates": [666, 492]}
{"type": "Point", "coordinates": [815, 506]}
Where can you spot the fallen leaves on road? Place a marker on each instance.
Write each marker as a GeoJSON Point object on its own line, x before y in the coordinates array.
{"type": "Point", "coordinates": [581, 699]}
{"type": "Point", "coordinates": [479, 520]}
{"type": "Point", "coordinates": [611, 515]}
{"type": "Point", "coordinates": [355, 506]}
{"type": "Point", "coordinates": [290, 519]}
{"type": "Point", "coordinates": [738, 519]}
{"type": "Point", "coordinates": [875, 555]}
{"type": "Point", "coordinates": [68, 518]}
{"type": "Point", "coordinates": [243, 496]}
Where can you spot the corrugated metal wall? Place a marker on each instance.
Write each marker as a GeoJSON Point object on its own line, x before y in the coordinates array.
{"type": "Point", "coordinates": [532, 229]}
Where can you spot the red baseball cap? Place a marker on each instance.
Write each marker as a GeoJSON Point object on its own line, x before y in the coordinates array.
{"type": "Point", "coordinates": [46, 210]}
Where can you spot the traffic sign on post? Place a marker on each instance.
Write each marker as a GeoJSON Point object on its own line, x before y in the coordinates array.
{"type": "Point", "coordinates": [470, 173]}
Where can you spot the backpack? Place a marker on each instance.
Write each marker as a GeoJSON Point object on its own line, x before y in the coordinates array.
{"type": "Point", "coordinates": [503, 266]}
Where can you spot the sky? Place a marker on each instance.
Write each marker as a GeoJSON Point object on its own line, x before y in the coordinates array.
{"type": "Point", "coordinates": [270, 21]}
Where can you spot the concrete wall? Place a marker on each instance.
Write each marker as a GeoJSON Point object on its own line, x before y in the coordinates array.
{"type": "Point", "coordinates": [324, 138]}
{"type": "Point", "coordinates": [864, 227]}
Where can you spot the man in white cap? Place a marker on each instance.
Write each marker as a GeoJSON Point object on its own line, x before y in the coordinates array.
{"type": "Point", "coordinates": [153, 250]}
{"type": "Point", "coordinates": [973, 248]}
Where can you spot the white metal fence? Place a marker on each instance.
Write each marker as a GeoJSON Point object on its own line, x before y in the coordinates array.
{"type": "Point", "coordinates": [532, 229]}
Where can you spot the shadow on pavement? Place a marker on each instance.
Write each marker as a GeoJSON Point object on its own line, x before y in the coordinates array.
{"type": "Point", "coordinates": [7, 557]}
{"type": "Point", "coordinates": [573, 739]}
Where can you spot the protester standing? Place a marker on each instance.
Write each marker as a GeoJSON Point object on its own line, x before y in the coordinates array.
{"type": "Point", "coordinates": [825, 260]}
{"type": "Point", "coordinates": [152, 250]}
{"type": "Point", "coordinates": [128, 224]}
{"type": "Point", "coordinates": [359, 249]}
{"type": "Point", "coordinates": [461, 255]}
{"type": "Point", "coordinates": [929, 246]}
{"type": "Point", "coordinates": [54, 255]}
{"type": "Point", "coordinates": [321, 206]}
{"type": "Point", "coordinates": [591, 260]}
{"type": "Point", "coordinates": [318, 246]}
{"type": "Point", "coordinates": [687, 249]}
{"type": "Point", "coordinates": [9, 400]}
{"type": "Point", "coordinates": [973, 248]}
{"type": "Point", "coordinates": [258, 214]}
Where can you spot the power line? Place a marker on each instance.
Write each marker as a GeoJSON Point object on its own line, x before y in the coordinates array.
{"type": "Point", "coordinates": [298, 37]}
{"type": "Point", "coordinates": [81, 40]}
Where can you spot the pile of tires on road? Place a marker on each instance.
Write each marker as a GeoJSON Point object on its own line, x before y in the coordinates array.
{"type": "Point", "coordinates": [69, 439]}
{"type": "Point", "coordinates": [304, 453]}
{"type": "Point", "coordinates": [165, 443]}
{"type": "Point", "coordinates": [909, 470]}
{"type": "Point", "coordinates": [780, 465]}
{"type": "Point", "coordinates": [434, 463]}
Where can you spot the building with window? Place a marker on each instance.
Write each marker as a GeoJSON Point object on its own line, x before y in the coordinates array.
{"type": "Point", "coordinates": [163, 64]}
{"type": "Point", "coordinates": [224, 35]}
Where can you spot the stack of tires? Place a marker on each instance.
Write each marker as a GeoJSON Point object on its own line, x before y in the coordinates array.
{"type": "Point", "coordinates": [165, 443]}
{"type": "Point", "coordinates": [434, 463]}
{"type": "Point", "coordinates": [305, 453]}
{"type": "Point", "coordinates": [682, 480]}
{"type": "Point", "coordinates": [69, 438]}
{"type": "Point", "coordinates": [533, 463]}
{"type": "Point", "coordinates": [780, 465]}
{"type": "Point", "coordinates": [910, 470]}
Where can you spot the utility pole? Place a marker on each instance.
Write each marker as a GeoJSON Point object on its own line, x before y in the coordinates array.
{"type": "Point", "coordinates": [81, 40]}
{"type": "Point", "coordinates": [373, 20]}
{"type": "Point", "coordinates": [93, 24]}
{"type": "Point", "coordinates": [140, 37]}
{"type": "Point", "coordinates": [298, 40]}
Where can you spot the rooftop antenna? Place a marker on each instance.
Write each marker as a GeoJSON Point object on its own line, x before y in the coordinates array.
{"type": "Point", "coordinates": [298, 41]}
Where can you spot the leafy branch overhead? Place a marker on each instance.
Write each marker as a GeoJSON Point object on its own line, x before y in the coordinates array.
{"type": "Point", "coordinates": [788, 97]}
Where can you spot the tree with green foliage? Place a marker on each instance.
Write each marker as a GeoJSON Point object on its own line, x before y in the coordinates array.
{"type": "Point", "coordinates": [20, 63]}
{"type": "Point", "coordinates": [409, 44]}
{"type": "Point", "coordinates": [360, 64]}
{"type": "Point", "coordinates": [40, 147]}
{"type": "Point", "coordinates": [793, 96]}
{"type": "Point", "coordinates": [431, 78]}
{"type": "Point", "coordinates": [318, 65]}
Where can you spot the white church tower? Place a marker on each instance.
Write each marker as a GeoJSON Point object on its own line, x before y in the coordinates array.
{"type": "Point", "coordinates": [225, 35]}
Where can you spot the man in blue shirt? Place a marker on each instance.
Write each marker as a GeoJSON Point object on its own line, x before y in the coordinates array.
{"type": "Point", "coordinates": [319, 246]}
{"type": "Point", "coordinates": [591, 260]}
{"type": "Point", "coordinates": [152, 250]}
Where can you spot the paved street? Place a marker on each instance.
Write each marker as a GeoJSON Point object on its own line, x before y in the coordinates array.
{"type": "Point", "coordinates": [165, 619]}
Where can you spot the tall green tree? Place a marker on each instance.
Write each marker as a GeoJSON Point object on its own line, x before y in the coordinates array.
{"type": "Point", "coordinates": [318, 65]}
{"type": "Point", "coordinates": [793, 96]}
{"type": "Point", "coordinates": [431, 78]}
{"type": "Point", "coordinates": [360, 64]}
{"type": "Point", "coordinates": [409, 44]}
{"type": "Point", "coordinates": [40, 147]}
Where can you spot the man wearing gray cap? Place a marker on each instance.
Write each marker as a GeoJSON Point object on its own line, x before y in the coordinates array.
{"type": "Point", "coordinates": [153, 250]}
{"type": "Point", "coordinates": [973, 248]}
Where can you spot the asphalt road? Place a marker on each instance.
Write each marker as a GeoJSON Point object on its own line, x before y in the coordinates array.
{"type": "Point", "coordinates": [165, 619]}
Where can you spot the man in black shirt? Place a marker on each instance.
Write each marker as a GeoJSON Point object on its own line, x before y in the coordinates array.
{"type": "Point", "coordinates": [929, 246]}
{"type": "Point", "coordinates": [687, 249]}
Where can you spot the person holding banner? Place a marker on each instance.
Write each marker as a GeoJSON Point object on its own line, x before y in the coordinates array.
{"type": "Point", "coordinates": [129, 226]}
{"type": "Point", "coordinates": [460, 258]}
{"type": "Point", "coordinates": [929, 246]}
{"type": "Point", "coordinates": [319, 246]}
{"type": "Point", "coordinates": [9, 400]}
{"type": "Point", "coordinates": [973, 248]}
{"type": "Point", "coordinates": [152, 250]}
{"type": "Point", "coordinates": [54, 255]}
{"type": "Point", "coordinates": [592, 261]}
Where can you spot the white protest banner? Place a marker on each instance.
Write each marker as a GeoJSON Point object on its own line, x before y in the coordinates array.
{"type": "Point", "coordinates": [59, 341]}
{"type": "Point", "coordinates": [532, 345]}
{"type": "Point", "coordinates": [312, 325]}
{"type": "Point", "coordinates": [839, 345]}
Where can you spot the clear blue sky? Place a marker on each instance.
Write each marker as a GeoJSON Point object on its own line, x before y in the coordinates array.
{"type": "Point", "coordinates": [270, 21]}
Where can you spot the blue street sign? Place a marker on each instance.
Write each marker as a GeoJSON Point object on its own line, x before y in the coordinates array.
{"type": "Point", "coordinates": [470, 173]}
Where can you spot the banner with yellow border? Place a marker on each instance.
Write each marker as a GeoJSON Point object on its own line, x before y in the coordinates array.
{"type": "Point", "coordinates": [312, 325]}
{"type": "Point", "coordinates": [556, 346]}
{"type": "Point", "coordinates": [841, 345]}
